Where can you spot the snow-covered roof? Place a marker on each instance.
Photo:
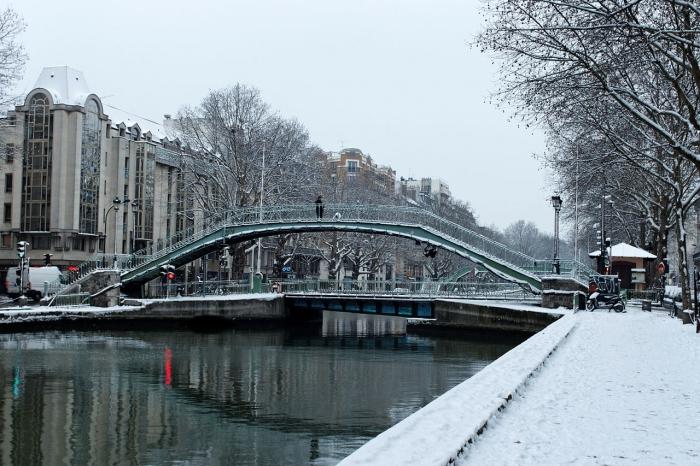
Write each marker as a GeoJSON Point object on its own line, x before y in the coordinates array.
{"type": "Point", "coordinates": [129, 119]}
{"type": "Point", "coordinates": [66, 85]}
{"type": "Point", "coordinates": [626, 250]}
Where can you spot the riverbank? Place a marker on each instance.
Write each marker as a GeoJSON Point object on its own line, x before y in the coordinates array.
{"type": "Point", "coordinates": [592, 388]}
{"type": "Point", "coordinates": [622, 389]}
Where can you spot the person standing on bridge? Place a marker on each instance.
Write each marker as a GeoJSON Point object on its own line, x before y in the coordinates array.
{"type": "Point", "coordinates": [319, 207]}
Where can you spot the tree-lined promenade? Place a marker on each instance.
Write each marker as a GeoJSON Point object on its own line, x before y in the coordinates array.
{"type": "Point", "coordinates": [616, 85]}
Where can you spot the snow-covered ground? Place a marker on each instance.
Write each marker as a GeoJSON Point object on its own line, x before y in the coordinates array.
{"type": "Point", "coordinates": [510, 305]}
{"type": "Point", "coordinates": [216, 297]}
{"type": "Point", "coordinates": [621, 389]}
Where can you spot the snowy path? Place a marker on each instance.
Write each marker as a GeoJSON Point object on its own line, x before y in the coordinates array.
{"type": "Point", "coordinates": [618, 391]}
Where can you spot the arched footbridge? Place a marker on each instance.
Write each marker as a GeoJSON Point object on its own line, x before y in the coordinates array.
{"type": "Point", "coordinates": [408, 222]}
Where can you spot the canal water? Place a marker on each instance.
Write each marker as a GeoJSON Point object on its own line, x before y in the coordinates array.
{"type": "Point", "coordinates": [310, 394]}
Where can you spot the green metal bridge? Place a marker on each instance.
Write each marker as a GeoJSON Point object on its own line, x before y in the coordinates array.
{"type": "Point", "coordinates": [408, 222]}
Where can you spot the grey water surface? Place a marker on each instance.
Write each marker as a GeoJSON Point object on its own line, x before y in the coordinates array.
{"type": "Point", "coordinates": [310, 394]}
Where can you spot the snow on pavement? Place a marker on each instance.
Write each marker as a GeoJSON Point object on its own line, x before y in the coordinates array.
{"type": "Point", "coordinates": [622, 389]}
{"type": "Point", "coordinates": [436, 433]}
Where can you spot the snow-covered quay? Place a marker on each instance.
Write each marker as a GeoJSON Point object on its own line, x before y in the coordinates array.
{"type": "Point", "coordinates": [592, 388]}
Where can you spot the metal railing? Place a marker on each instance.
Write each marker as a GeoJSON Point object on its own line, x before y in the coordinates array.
{"type": "Point", "coordinates": [76, 299]}
{"type": "Point", "coordinates": [208, 288]}
{"type": "Point", "coordinates": [409, 289]}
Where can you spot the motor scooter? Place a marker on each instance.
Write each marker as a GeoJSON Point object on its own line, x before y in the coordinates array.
{"type": "Point", "coordinates": [605, 290]}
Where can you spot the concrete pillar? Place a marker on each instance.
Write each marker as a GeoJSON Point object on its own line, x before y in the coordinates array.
{"type": "Point", "coordinates": [561, 292]}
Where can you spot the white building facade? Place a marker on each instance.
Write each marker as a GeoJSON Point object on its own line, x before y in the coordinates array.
{"type": "Point", "coordinates": [67, 160]}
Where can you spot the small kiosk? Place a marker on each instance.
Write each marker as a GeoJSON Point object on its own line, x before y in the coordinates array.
{"type": "Point", "coordinates": [630, 264]}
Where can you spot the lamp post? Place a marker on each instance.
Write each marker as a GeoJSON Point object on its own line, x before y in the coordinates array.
{"type": "Point", "coordinates": [134, 205]}
{"type": "Point", "coordinates": [556, 203]}
{"type": "Point", "coordinates": [262, 188]}
{"type": "Point", "coordinates": [115, 206]}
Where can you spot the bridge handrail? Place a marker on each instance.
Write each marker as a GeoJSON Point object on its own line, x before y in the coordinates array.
{"type": "Point", "coordinates": [503, 290]}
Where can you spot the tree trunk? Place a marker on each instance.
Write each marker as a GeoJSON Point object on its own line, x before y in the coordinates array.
{"type": "Point", "coordinates": [682, 256]}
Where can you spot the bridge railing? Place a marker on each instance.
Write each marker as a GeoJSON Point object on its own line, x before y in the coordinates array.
{"type": "Point", "coordinates": [567, 268]}
{"type": "Point", "coordinates": [208, 288]}
{"type": "Point", "coordinates": [407, 289]}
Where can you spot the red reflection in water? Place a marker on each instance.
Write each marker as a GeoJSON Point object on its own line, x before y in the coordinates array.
{"type": "Point", "coordinates": [168, 366]}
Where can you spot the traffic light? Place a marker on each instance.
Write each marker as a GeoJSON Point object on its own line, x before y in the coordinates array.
{"type": "Point", "coordinates": [22, 249]}
{"type": "Point", "coordinates": [47, 259]}
{"type": "Point", "coordinates": [170, 272]}
{"type": "Point", "coordinates": [163, 270]}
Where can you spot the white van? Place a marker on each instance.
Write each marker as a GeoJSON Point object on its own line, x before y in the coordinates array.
{"type": "Point", "coordinates": [34, 288]}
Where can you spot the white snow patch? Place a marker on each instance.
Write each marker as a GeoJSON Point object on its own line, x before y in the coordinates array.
{"type": "Point", "coordinates": [622, 389]}
{"type": "Point", "coordinates": [225, 297]}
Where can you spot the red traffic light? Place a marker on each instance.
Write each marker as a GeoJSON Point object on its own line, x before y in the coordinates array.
{"type": "Point", "coordinates": [73, 268]}
{"type": "Point", "coordinates": [170, 276]}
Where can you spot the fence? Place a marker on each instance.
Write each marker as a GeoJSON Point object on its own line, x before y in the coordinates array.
{"type": "Point", "coordinates": [476, 290]}
{"type": "Point", "coordinates": [208, 288]}
{"type": "Point", "coordinates": [77, 299]}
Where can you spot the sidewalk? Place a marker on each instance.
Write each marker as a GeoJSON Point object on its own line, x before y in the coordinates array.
{"type": "Point", "coordinates": [621, 389]}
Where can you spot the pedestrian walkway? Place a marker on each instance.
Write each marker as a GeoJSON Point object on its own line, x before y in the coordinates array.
{"type": "Point", "coordinates": [621, 389]}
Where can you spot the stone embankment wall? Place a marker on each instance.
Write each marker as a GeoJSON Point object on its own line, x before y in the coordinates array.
{"type": "Point", "coordinates": [560, 292]}
{"type": "Point", "coordinates": [238, 309]}
{"type": "Point", "coordinates": [491, 316]}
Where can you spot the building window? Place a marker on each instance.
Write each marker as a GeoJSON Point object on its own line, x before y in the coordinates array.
{"type": "Point", "coordinates": [7, 213]}
{"type": "Point", "coordinates": [9, 153]}
{"type": "Point", "coordinates": [90, 169]}
{"type": "Point", "coordinates": [352, 167]}
{"type": "Point", "coordinates": [144, 191]}
{"type": "Point", "coordinates": [6, 240]}
{"type": "Point", "coordinates": [37, 165]}
{"type": "Point", "coordinates": [8, 182]}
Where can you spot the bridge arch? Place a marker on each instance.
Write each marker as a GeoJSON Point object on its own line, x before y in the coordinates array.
{"type": "Point", "coordinates": [406, 222]}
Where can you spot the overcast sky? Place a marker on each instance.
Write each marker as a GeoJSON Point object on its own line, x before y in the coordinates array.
{"type": "Point", "coordinates": [396, 79]}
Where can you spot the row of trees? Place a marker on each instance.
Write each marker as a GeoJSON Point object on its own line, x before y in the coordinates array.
{"type": "Point", "coordinates": [616, 84]}
{"type": "Point", "coordinates": [235, 140]}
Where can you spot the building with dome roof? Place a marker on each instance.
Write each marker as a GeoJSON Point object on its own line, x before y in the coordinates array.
{"type": "Point", "coordinates": [67, 157]}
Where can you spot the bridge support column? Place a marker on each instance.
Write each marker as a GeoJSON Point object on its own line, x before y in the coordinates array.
{"type": "Point", "coordinates": [563, 292]}
{"type": "Point", "coordinates": [103, 281]}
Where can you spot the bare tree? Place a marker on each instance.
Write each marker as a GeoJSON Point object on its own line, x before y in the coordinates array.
{"type": "Point", "coordinates": [12, 56]}
{"type": "Point", "coordinates": [625, 73]}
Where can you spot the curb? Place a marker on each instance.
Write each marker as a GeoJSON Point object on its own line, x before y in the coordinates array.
{"type": "Point", "coordinates": [438, 433]}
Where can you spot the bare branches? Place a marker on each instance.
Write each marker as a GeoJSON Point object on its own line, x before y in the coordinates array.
{"type": "Point", "coordinates": [12, 56]}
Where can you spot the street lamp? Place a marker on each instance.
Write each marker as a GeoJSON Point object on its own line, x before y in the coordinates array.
{"type": "Point", "coordinates": [115, 205]}
{"type": "Point", "coordinates": [134, 205]}
{"type": "Point", "coordinates": [262, 188]}
{"type": "Point", "coordinates": [556, 203]}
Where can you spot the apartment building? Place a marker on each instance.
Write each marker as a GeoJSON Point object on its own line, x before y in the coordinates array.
{"type": "Point", "coordinates": [81, 177]}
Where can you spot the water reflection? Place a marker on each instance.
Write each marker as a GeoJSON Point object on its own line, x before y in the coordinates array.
{"type": "Point", "coordinates": [348, 323]}
{"type": "Point", "coordinates": [282, 396]}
